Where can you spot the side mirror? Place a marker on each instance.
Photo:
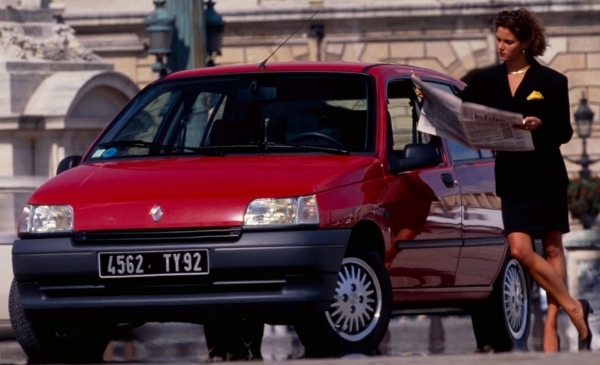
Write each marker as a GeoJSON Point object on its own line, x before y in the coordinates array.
{"type": "Point", "coordinates": [416, 156]}
{"type": "Point", "coordinates": [67, 163]}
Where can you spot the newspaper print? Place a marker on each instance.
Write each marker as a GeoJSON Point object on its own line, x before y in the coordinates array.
{"type": "Point", "coordinates": [472, 125]}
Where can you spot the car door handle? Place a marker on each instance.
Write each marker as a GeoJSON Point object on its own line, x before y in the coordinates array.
{"type": "Point", "coordinates": [448, 180]}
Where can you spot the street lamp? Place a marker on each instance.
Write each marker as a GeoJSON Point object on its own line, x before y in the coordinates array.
{"type": "Point", "coordinates": [159, 26]}
{"type": "Point", "coordinates": [584, 117]}
{"type": "Point", "coordinates": [215, 27]}
{"type": "Point", "coordinates": [318, 31]}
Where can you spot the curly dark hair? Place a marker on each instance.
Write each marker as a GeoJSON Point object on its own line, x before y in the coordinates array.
{"type": "Point", "coordinates": [525, 26]}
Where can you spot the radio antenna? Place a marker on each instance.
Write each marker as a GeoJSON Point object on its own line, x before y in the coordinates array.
{"type": "Point", "coordinates": [263, 64]}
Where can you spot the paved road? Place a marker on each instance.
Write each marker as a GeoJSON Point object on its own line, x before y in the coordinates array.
{"type": "Point", "coordinates": [408, 342]}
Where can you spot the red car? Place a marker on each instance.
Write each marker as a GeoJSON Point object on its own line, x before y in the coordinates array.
{"type": "Point", "coordinates": [282, 193]}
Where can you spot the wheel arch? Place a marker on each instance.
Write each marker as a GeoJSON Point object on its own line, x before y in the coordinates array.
{"type": "Point", "coordinates": [368, 234]}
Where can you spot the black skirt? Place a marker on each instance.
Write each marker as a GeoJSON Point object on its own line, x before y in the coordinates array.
{"type": "Point", "coordinates": [535, 213]}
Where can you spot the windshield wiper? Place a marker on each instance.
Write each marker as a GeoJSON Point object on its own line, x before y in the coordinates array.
{"type": "Point", "coordinates": [157, 146]}
{"type": "Point", "coordinates": [273, 145]}
{"type": "Point", "coordinates": [206, 151]}
{"type": "Point", "coordinates": [134, 143]}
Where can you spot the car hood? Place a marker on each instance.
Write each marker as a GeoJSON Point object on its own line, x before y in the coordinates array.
{"type": "Point", "coordinates": [193, 192]}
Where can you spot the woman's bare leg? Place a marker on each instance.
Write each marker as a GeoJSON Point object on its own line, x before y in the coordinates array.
{"type": "Point", "coordinates": [542, 272]}
{"type": "Point", "coordinates": [555, 255]}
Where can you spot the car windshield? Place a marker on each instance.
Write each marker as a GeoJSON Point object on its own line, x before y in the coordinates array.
{"type": "Point", "coordinates": [250, 113]}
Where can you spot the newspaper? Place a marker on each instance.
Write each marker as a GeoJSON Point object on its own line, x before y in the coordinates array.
{"type": "Point", "coordinates": [472, 125]}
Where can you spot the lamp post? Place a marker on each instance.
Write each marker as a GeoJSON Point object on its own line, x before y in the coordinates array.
{"type": "Point", "coordinates": [584, 117]}
{"type": "Point", "coordinates": [215, 27]}
{"type": "Point", "coordinates": [159, 25]}
{"type": "Point", "coordinates": [318, 31]}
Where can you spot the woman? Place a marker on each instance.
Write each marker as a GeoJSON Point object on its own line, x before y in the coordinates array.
{"type": "Point", "coordinates": [532, 185]}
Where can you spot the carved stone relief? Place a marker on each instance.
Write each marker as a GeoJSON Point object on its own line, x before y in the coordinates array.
{"type": "Point", "coordinates": [27, 43]}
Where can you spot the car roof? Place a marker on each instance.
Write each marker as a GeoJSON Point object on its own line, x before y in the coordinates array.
{"type": "Point", "coordinates": [330, 66]}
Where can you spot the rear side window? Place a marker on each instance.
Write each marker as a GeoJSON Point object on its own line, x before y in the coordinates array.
{"type": "Point", "coordinates": [459, 152]}
{"type": "Point", "coordinates": [462, 153]}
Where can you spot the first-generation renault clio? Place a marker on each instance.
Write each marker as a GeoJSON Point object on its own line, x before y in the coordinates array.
{"type": "Point", "coordinates": [282, 193]}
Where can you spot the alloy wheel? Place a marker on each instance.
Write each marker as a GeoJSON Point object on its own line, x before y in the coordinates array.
{"type": "Point", "coordinates": [515, 299]}
{"type": "Point", "coordinates": [356, 306]}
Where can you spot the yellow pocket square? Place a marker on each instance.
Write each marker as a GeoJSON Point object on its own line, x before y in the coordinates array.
{"type": "Point", "coordinates": [536, 95]}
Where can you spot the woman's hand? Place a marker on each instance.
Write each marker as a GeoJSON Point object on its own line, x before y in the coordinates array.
{"type": "Point", "coordinates": [529, 124]}
{"type": "Point", "coordinates": [419, 93]}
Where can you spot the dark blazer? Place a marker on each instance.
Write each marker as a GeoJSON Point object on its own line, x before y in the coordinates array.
{"type": "Point", "coordinates": [542, 170]}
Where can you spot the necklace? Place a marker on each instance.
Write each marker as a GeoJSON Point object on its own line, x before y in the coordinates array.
{"type": "Point", "coordinates": [518, 72]}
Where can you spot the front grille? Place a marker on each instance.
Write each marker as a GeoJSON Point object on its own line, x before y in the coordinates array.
{"type": "Point", "coordinates": [185, 235]}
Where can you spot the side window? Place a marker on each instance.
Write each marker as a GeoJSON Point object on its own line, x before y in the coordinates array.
{"type": "Point", "coordinates": [144, 125]}
{"type": "Point", "coordinates": [195, 120]}
{"type": "Point", "coordinates": [400, 114]}
{"type": "Point", "coordinates": [487, 154]}
{"type": "Point", "coordinates": [403, 114]}
{"type": "Point", "coordinates": [191, 117]}
{"type": "Point", "coordinates": [462, 153]}
{"type": "Point", "coordinates": [458, 151]}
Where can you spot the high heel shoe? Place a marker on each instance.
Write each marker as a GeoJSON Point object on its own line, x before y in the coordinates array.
{"type": "Point", "coordinates": [586, 343]}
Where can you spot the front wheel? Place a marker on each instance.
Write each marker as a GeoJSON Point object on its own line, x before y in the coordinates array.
{"type": "Point", "coordinates": [66, 341]}
{"type": "Point", "coordinates": [502, 323]}
{"type": "Point", "coordinates": [360, 310]}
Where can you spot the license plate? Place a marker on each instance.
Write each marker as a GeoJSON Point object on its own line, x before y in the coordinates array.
{"type": "Point", "coordinates": [153, 263]}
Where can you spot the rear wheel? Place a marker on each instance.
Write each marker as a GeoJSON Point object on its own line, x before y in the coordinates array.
{"type": "Point", "coordinates": [360, 310]}
{"type": "Point", "coordinates": [502, 323]}
{"type": "Point", "coordinates": [57, 341]}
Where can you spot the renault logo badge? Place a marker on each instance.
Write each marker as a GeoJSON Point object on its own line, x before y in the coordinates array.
{"type": "Point", "coordinates": [156, 213]}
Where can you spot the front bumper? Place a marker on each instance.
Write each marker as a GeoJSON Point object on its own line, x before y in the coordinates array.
{"type": "Point", "coordinates": [270, 274]}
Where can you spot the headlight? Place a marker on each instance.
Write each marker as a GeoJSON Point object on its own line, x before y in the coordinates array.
{"type": "Point", "coordinates": [46, 219]}
{"type": "Point", "coordinates": [286, 211]}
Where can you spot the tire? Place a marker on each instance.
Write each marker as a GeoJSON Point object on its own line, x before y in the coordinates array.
{"type": "Point", "coordinates": [503, 322]}
{"type": "Point", "coordinates": [57, 341]}
{"type": "Point", "coordinates": [360, 310]}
